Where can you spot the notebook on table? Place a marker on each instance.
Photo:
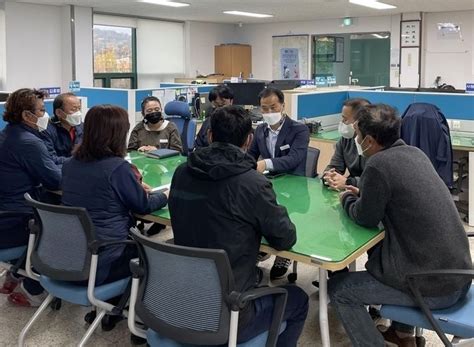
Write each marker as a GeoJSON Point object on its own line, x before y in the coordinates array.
{"type": "Point", "coordinates": [162, 153]}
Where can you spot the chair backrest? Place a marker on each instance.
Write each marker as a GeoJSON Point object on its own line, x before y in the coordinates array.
{"type": "Point", "coordinates": [178, 113]}
{"type": "Point", "coordinates": [184, 291]}
{"type": "Point", "coordinates": [312, 162]}
{"type": "Point", "coordinates": [61, 249]}
{"type": "Point", "coordinates": [424, 126]}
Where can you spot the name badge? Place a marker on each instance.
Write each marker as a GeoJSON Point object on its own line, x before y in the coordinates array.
{"type": "Point", "coordinates": [282, 148]}
{"type": "Point", "coordinates": [163, 140]}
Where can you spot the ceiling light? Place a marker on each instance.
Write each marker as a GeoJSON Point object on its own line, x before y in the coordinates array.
{"type": "Point", "coordinates": [372, 4]}
{"type": "Point", "coordinates": [380, 36]}
{"type": "Point", "coordinates": [249, 14]}
{"type": "Point", "coordinates": [165, 3]}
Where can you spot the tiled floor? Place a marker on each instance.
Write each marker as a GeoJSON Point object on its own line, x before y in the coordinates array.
{"type": "Point", "coordinates": [65, 327]}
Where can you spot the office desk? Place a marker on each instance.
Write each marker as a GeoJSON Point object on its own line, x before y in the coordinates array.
{"type": "Point", "coordinates": [327, 238]}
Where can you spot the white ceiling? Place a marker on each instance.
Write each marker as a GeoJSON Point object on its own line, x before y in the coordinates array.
{"type": "Point", "coordinates": [283, 10]}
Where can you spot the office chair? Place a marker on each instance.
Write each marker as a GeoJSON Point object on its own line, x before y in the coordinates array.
{"type": "Point", "coordinates": [12, 258]}
{"type": "Point", "coordinates": [312, 162]}
{"type": "Point", "coordinates": [178, 113]}
{"type": "Point", "coordinates": [456, 320]}
{"type": "Point", "coordinates": [185, 294]}
{"type": "Point", "coordinates": [64, 250]}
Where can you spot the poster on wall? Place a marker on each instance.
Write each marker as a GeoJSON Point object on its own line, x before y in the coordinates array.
{"type": "Point", "coordinates": [290, 55]}
{"type": "Point", "coordinates": [289, 61]}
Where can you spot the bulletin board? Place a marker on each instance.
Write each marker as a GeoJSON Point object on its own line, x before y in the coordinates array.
{"type": "Point", "coordinates": [290, 57]}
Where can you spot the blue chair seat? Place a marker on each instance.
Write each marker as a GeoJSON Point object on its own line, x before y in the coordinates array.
{"type": "Point", "coordinates": [75, 294]}
{"type": "Point", "coordinates": [456, 320]}
{"type": "Point", "coordinates": [9, 254]}
{"type": "Point", "coordinates": [154, 339]}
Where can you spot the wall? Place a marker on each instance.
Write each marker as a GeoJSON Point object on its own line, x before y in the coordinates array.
{"type": "Point", "coordinates": [200, 41]}
{"type": "Point", "coordinates": [452, 59]}
{"type": "Point", "coordinates": [33, 45]}
{"type": "Point", "coordinates": [3, 57]}
{"type": "Point", "coordinates": [84, 50]}
{"type": "Point", "coordinates": [260, 35]}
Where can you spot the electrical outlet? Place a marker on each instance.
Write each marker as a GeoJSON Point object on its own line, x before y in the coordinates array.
{"type": "Point", "coordinates": [456, 124]}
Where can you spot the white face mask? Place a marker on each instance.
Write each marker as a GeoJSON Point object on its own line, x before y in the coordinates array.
{"type": "Point", "coordinates": [74, 119]}
{"type": "Point", "coordinates": [42, 122]}
{"type": "Point", "coordinates": [346, 130]}
{"type": "Point", "coordinates": [272, 118]}
{"type": "Point", "coordinates": [360, 150]}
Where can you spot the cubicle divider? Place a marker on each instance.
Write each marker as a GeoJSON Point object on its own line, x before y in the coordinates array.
{"type": "Point", "coordinates": [323, 104]}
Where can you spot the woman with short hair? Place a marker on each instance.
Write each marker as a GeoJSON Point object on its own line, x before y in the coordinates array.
{"type": "Point", "coordinates": [99, 179]}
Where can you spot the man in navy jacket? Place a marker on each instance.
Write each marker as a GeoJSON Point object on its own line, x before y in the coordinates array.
{"type": "Point", "coordinates": [281, 143]}
{"type": "Point", "coordinates": [64, 132]}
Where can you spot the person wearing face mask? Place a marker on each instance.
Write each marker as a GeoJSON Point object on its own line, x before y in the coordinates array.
{"type": "Point", "coordinates": [154, 131]}
{"type": "Point", "coordinates": [345, 154]}
{"type": "Point", "coordinates": [218, 97]}
{"type": "Point", "coordinates": [280, 145]}
{"type": "Point", "coordinates": [232, 207]}
{"type": "Point", "coordinates": [64, 132]}
{"type": "Point", "coordinates": [399, 189]}
{"type": "Point", "coordinates": [26, 166]}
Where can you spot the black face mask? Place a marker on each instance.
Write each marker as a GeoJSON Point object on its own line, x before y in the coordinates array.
{"type": "Point", "coordinates": [153, 117]}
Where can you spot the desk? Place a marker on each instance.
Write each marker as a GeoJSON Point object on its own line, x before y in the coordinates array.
{"type": "Point", "coordinates": [327, 238]}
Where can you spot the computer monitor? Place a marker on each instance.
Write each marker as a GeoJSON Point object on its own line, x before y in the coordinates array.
{"type": "Point", "coordinates": [246, 93]}
{"type": "Point", "coordinates": [285, 84]}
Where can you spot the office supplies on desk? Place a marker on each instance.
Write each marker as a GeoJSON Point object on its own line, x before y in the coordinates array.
{"type": "Point", "coordinates": [162, 153]}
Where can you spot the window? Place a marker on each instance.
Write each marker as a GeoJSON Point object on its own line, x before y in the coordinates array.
{"type": "Point", "coordinates": [114, 57]}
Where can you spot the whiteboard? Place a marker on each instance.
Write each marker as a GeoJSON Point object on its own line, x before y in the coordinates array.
{"type": "Point", "coordinates": [410, 67]}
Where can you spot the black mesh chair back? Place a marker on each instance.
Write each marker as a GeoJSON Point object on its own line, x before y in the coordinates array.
{"type": "Point", "coordinates": [312, 162]}
{"type": "Point", "coordinates": [184, 291]}
{"type": "Point", "coordinates": [61, 249]}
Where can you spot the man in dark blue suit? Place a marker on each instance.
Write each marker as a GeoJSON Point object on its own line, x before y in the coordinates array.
{"type": "Point", "coordinates": [280, 145]}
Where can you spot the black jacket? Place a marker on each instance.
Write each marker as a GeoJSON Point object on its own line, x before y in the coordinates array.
{"type": "Point", "coordinates": [218, 200]}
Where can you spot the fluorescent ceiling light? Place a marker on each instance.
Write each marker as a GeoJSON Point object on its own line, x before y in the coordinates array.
{"type": "Point", "coordinates": [380, 36]}
{"type": "Point", "coordinates": [372, 4]}
{"type": "Point", "coordinates": [165, 3]}
{"type": "Point", "coordinates": [249, 14]}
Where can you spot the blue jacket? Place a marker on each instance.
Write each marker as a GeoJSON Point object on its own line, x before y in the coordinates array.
{"type": "Point", "coordinates": [425, 127]}
{"type": "Point", "coordinates": [110, 192]}
{"type": "Point", "coordinates": [58, 141]}
{"type": "Point", "coordinates": [291, 160]}
{"type": "Point", "coordinates": [25, 165]}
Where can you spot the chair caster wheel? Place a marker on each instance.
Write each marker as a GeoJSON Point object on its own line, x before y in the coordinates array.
{"type": "Point", "coordinates": [89, 317]}
{"type": "Point", "coordinates": [420, 341]}
{"type": "Point", "coordinates": [56, 304]}
{"type": "Point", "coordinates": [110, 321]}
{"type": "Point", "coordinates": [292, 277]}
{"type": "Point", "coordinates": [137, 340]}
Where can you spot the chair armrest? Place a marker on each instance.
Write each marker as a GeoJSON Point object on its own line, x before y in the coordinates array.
{"type": "Point", "coordinates": [278, 309]}
{"type": "Point", "coordinates": [96, 245]}
{"type": "Point", "coordinates": [411, 280]}
{"type": "Point", "coordinates": [136, 269]}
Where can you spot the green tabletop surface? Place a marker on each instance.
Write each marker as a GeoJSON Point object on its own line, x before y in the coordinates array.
{"type": "Point", "coordinates": [332, 135]}
{"type": "Point", "coordinates": [323, 228]}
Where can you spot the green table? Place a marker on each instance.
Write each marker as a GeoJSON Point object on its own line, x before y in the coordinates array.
{"type": "Point", "coordinates": [327, 238]}
{"type": "Point", "coordinates": [327, 136]}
